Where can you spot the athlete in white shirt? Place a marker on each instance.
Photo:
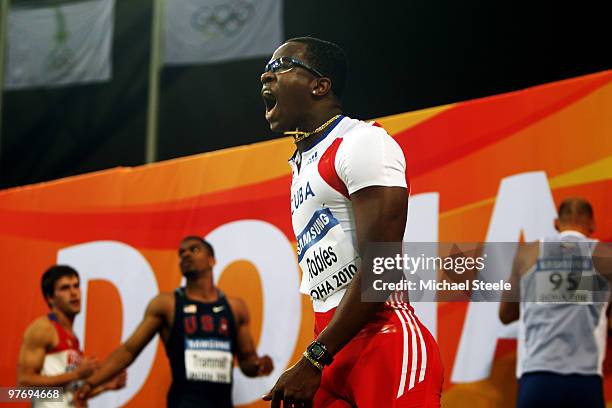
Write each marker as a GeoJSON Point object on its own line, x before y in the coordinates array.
{"type": "Point", "coordinates": [564, 290]}
{"type": "Point", "coordinates": [348, 188]}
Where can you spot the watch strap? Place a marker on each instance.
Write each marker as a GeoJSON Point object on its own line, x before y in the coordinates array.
{"type": "Point", "coordinates": [313, 361]}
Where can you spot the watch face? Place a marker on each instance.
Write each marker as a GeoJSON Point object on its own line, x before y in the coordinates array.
{"type": "Point", "coordinates": [317, 350]}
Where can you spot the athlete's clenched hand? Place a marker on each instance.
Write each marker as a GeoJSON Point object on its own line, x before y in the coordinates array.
{"type": "Point", "coordinates": [264, 365]}
{"type": "Point", "coordinates": [296, 387]}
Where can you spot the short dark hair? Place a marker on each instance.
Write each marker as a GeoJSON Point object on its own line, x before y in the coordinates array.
{"type": "Point", "coordinates": [52, 275]}
{"type": "Point", "coordinates": [575, 207]}
{"type": "Point", "coordinates": [328, 58]}
{"type": "Point", "coordinates": [203, 241]}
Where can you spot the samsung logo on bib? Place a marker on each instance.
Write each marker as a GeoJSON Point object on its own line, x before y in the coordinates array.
{"type": "Point", "coordinates": [318, 226]}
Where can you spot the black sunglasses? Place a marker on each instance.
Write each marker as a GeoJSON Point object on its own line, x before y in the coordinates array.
{"type": "Point", "coordinates": [284, 64]}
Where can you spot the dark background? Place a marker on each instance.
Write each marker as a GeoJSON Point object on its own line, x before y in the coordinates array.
{"type": "Point", "coordinates": [403, 56]}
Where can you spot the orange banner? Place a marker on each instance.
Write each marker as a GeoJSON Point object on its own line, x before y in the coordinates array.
{"type": "Point", "coordinates": [492, 169]}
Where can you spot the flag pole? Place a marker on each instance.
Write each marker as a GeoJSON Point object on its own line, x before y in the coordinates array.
{"type": "Point", "coordinates": [4, 10]}
{"type": "Point", "coordinates": [154, 68]}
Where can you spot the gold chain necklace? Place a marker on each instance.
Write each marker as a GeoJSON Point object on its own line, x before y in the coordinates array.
{"type": "Point", "coordinates": [299, 135]}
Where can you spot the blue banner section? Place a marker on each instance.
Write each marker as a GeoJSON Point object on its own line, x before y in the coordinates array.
{"type": "Point", "coordinates": [573, 263]}
{"type": "Point", "coordinates": [318, 226]}
{"type": "Point", "coordinates": [207, 344]}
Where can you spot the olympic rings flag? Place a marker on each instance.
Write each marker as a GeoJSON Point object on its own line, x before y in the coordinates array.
{"type": "Point", "coordinates": [197, 32]}
{"type": "Point", "coordinates": [479, 171]}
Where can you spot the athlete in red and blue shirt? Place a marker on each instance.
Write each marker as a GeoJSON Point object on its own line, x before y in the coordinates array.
{"type": "Point", "coordinates": [50, 355]}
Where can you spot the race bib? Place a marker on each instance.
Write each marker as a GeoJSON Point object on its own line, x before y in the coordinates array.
{"type": "Point", "coordinates": [327, 257]}
{"type": "Point", "coordinates": [208, 360]}
{"type": "Point", "coordinates": [566, 280]}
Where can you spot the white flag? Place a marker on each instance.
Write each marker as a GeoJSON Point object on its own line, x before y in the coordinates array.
{"type": "Point", "coordinates": [55, 45]}
{"type": "Point", "coordinates": [202, 31]}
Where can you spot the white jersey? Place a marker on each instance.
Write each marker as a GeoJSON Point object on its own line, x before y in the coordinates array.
{"type": "Point", "coordinates": [351, 156]}
{"type": "Point", "coordinates": [563, 322]}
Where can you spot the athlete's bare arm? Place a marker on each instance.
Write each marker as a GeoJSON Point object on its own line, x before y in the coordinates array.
{"type": "Point", "coordinates": [115, 384]}
{"type": "Point", "coordinates": [156, 318]}
{"type": "Point", "coordinates": [380, 216]}
{"type": "Point", "coordinates": [250, 363]}
{"type": "Point", "coordinates": [39, 337]}
{"type": "Point", "coordinates": [526, 256]}
{"type": "Point", "coordinates": [602, 259]}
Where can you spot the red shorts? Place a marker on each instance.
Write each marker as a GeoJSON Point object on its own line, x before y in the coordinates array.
{"type": "Point", "coordinates": [393, 362]}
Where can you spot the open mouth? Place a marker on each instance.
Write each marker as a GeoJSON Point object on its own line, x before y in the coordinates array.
{"type": "Point", "coordinates": [269, 100]}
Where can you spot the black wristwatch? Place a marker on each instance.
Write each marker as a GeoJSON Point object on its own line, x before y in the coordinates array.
{"type": "Point", "coordinates": [318, 352]}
